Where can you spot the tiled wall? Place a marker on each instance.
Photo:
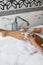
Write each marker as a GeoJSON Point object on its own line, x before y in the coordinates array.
{"type": "Point", "coordinates": [34, 18]}
{"type": "Point", "coordinates": [8, 7]}
{"type": "Point", "coordinates": [19, 4]}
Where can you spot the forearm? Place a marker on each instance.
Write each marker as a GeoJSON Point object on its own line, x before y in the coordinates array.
{"type": "Point", "coordinates": [16, 34]}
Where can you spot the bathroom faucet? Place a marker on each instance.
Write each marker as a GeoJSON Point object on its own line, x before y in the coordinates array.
{"type": "Point", "coordinates": [16, 24]}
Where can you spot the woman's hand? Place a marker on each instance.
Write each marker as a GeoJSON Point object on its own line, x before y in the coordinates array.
{"type": "Point", "coordinates": [36, 40]}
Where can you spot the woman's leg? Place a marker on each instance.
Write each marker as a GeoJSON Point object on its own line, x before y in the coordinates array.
{"type": "Point", "coordinates": [38, 30]}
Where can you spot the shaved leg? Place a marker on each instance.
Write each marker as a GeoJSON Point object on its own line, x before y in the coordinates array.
{"type": "Point", "coordinates": [38, 30]}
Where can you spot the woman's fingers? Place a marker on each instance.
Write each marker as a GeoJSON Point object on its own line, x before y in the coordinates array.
{"type": "Point", "coordinates": [36, 41]}
{"type": "Point", "coordinates": [37, 38]}
{"type": "Point", "coordinates": [39, 41]}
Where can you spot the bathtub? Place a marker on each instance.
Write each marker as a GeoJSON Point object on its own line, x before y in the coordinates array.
{"type": "Point", "coordinates": [19, 52]}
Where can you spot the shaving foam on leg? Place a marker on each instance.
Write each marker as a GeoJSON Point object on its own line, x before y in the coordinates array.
{"type": "Point", "coordinates": [21, 29]}
{"type": "Point", "coordinates": [30, 30]}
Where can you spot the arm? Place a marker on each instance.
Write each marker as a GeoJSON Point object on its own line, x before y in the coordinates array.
{"type": "Point", "coordinates": [16, 34]}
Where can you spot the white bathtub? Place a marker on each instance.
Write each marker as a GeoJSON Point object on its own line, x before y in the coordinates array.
{"type": "Point", "coordinates": [18, 52]}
